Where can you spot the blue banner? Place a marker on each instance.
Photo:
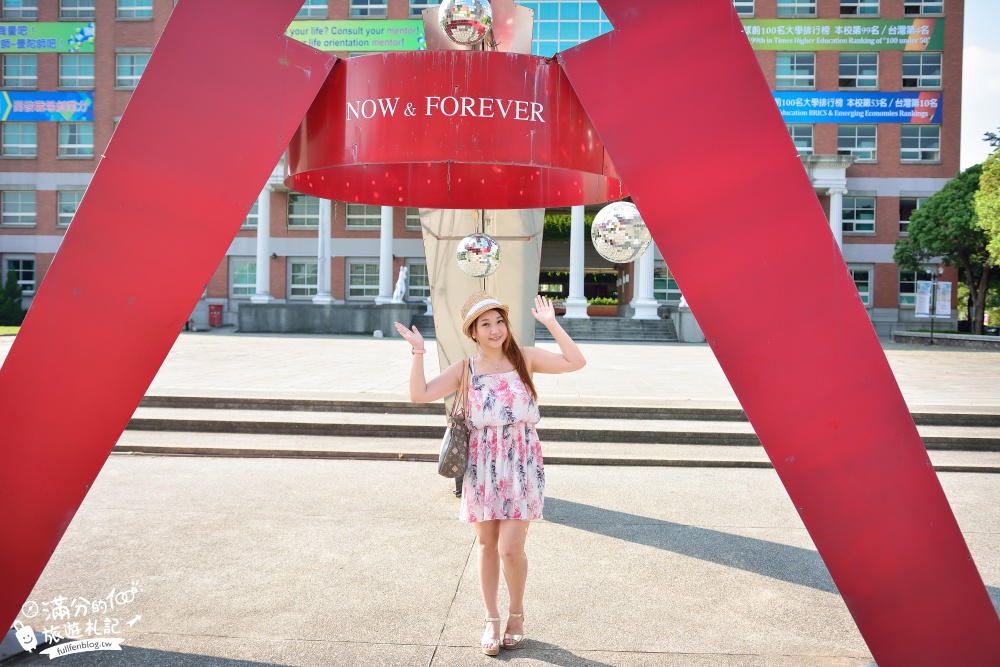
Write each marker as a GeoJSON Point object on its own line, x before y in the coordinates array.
{"type": "Point", "coordinates": [814, 107]}
{"type": "Point", "coordinates": [37, 105]}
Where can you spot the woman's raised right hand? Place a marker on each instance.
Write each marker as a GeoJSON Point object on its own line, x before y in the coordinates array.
{"type": "Point", "coordinates": [412, 337]}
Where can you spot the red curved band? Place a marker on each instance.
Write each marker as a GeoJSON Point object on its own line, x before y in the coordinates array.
{"type": "Point", "coordinates": [450, 129]}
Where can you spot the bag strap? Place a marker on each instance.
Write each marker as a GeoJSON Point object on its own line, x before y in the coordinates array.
{"type": "Point", "coordinates": [463, 393]}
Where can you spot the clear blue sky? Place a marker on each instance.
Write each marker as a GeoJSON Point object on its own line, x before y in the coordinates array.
{"type": "Point", "coordinates": [981, 79]}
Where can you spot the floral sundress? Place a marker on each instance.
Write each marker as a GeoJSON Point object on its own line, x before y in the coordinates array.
{"type": "Point", "coordinates": [505, 475]}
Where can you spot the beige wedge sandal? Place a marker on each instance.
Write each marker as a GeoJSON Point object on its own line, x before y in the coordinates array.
{"type": "Point", "coordinates": [510, 641]}
{"type": "Point", "coordinates": [491, 646]}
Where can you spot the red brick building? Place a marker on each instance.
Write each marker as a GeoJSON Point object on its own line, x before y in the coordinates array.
{"type": "Point", "coordinates": [896, 58]}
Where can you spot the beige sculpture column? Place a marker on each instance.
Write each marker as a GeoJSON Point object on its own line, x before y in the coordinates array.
{"type": "Point", "coordinates": [519, 233]}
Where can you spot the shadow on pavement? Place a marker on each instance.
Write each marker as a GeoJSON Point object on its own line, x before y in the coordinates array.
{"type": "Point", "coordinates": [770, 559]}
{"type": "Point", "coordinates": [130, 655]}
{"type": "Point", "coordinates": [550, 654]}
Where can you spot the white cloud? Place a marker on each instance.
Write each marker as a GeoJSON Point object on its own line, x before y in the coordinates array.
{"type": "Point", "coordinates": [980, 102]}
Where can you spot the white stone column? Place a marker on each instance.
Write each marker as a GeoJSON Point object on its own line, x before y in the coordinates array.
{"type": "Point", "coordinates": [385, 277]}
{"type": "Point", "coordinates": [576, 303]}
{"type": "Point", "coordinates": [643, 303]}
{"type": "Point", "coordinates": [262, 291]}
{"type": "Point", "coordinates": [837, 215]}
{"type": "Point", "coordinates": [323, 253]}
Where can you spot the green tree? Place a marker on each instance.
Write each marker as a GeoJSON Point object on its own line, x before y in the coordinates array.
{"type": "Point", "coordinates": [946, 226]}
{"type": "Point", "coordinates": [988, 204]}
{"type": "Point", "coordinates": [992, 138]}
{"type": "Point", "coordinates": [11, 312]}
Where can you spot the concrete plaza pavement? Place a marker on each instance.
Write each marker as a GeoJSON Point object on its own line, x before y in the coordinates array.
{"type": "Point", "coordinates": [223, 363]}
{"type": "Point", "coordinates": [247, 562]}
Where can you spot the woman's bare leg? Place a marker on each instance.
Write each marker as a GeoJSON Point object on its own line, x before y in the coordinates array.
{"type": "Point", "coordinates": [512, 535]}
{"type": "Point", "coordinates": [488, 534]}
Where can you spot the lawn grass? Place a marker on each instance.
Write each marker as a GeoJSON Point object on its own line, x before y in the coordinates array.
{"type": "Point", "coordinates": [8, 330]}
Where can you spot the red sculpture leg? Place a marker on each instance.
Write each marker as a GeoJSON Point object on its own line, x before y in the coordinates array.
{"type": "Point", "coordinates": [216, 106]}
{"type": "Point", "coordinates": [705, 154]}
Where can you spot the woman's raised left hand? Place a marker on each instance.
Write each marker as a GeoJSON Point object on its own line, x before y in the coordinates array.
{"type": "Point", "coordinates": [543, 311]}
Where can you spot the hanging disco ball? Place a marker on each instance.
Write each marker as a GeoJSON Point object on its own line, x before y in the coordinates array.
{"type": "Point", "coordinates": [619, 234]}
{"type": "Point", "coordinates": [465, 22]}
{"type": "Point", "coordinates": [478, 255]}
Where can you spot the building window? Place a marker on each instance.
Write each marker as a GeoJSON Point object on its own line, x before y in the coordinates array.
{"type": "Point", "coordinates": [17, 207]}
{"type": "Point", "coordinates": [796, 8]}
{"type": "Point", "coordinates": [412, 219]}
{"type": "Point", "coordinates": [362, 280]}
{"type": "Point", "coordinates": [908, 285]}
{"type": "Point", "coordinates": [858, 215]}
{"type": "Point", "coordinates": [859, 7]}
{"type": "Point", "coordinates": [743, 7]}
{"type": "Point", "coordinates": [24, 272]}
{"type": "Point", "coordinates": [858, 70]}
{"type": "Point", "coordinates": [20, 9]}
{"type": "Point", "coordinates": [920, 143]}
{"type": "Point", "coordinates": [563, 25]}
{"type": "Point", "coordinates": [923, 7]}
{"type": "Point", "coordinates": [20, 71]}
{"type": "Point", "coordinates": [76, 70]}
{"type": "Point", "coordinates": [135, 9]}
{"type": "Point", "coordinates": [863, 281]}
{"type": "Point", "coordinates": [419, 285]}
{"type": "Point", "coordinates": [244, 277]}
{"type": "Point", "coordinates": [907, 205]}
{"type": "Point", "coordinates": [303, 210]}
{"type": "Point", "coordinates": [312, 9]}
{"type": "Point", "coordinates": [417, 7]}
{"type": "Point", "coordinates": [364, 216]}
{"type": "Point", "coordinates": [76, 9]}
{"type": "Point", "coordinates": [369, 8]}
{"type": "Point", "coordinates": [20, 140]}
{"type": "Point", "coordinates": [796, 70]}
{"type": "Point", "coordinates": [857, 140]}
{"type": "Point", "coordinates": [664, 286]}
{"type": "Point", "coordinates": [921, 70]}
{"type": "Point", "coordinates": [76, 140]}
{"type": "Point", "coordinates": [802, 137]}
{"type": "Point", "coordinates": [303, 279]}
{"type": "Point", "coordinates": [250, 222]}
{"type": "Point", "coordinates": [128, 68]}
{"type": "Point", "coordinates": [69, 202]}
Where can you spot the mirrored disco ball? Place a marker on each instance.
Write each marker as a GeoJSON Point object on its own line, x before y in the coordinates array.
{"type": "Point", "coordinates": [465, 22]}
{"type": "Point", "coordinates": [478, 255]}
{"type": "Point", "coordinates": [619, 234]}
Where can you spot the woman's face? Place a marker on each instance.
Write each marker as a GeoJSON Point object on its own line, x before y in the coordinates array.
{"type": "Point", "coordinates": [491, 330]}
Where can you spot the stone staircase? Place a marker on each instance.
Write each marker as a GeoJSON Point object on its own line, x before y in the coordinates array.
{"type": "Point", "coordinates": [592, 329]}
{"type": "Point", "coordinates": [614, 329]}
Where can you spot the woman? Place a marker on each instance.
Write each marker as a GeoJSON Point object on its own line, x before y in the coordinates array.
{"type": "Point", "coordinates": [504, 481]}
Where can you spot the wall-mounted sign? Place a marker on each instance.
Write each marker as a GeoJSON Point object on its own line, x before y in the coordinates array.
{"type": "Point", "coordinates": [360, 36]}
{"type": "Point", "coordinates": [61, 37]}
{"type": "Point", "coordinates": [815, 107]}
{"type": "Point", "coordinates": [845, 34]}
{"type": "Point", "coordinates": [38, 105]}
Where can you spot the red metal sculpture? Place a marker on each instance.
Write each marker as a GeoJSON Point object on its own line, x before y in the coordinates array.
{"type": "Point", "coordinates": [733, 222]}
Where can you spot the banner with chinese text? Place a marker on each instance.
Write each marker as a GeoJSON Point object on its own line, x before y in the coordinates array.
{"type": "Point", "coordinates": [845, 34]}
{"type": "Point", "coordinates": [61, 37]}
{"type": "Point", "coordinates": [815, 107]}
{"type": "Point", "coordinates": [360, 36]}
{"type": "Point", "coordinates": [37, 105]}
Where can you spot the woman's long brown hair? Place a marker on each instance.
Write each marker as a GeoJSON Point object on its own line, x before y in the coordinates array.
{"type": "Point", "coordinates": [513, 352]}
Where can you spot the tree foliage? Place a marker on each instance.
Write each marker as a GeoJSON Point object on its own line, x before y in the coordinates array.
{"type": "Point", "coordinates": [11, 312]}
{"type": "Point", "coordinates": [992, 138]}
{"type": "Point", "coordinates": [946, 226]}
{"type": "Point", "coordinates": [557, 225]}
{"type": "Point", "coordinates": [988, 204]}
